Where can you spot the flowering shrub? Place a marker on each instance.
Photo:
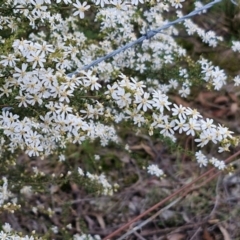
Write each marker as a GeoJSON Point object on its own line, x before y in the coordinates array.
{"type": "Point", "coordinates": [51, 96]}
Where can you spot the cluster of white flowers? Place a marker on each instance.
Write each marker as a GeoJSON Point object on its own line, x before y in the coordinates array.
{"type": "Point", "coordinates": [8, 233]}
{"type": "Point", "coordinates": [236, 80]}
{"type": "Point", "coordinates": [203, 161]}
{"type": "Point", "coordinates": [107, 188]}
{"type": "Point", "coordinates": [130, 95]}
{"type": "Point", "coordinates": [213, 75]}
{"type": "Point", "coordinates": [86, 237]}
{"type": "Point", "coordinates": [199, 5]}
{"type": "Point", "coordinates": [208, 37]}
{"type": "Point", "coordinates": [5, 193]}
{"type": "Point", "coordinates": [153, 169]}
{"type": "Point", "coordinates": [236, 46]}
{"type": "Point", "coordinates": [46, 104]}
{"type": "Point", "coordinates": [36, 76]}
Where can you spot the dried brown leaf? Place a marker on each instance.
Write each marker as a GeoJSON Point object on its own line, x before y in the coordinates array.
{"type": "Point", "coordinates": [148, 150]}
{"type": "Point", "coordinates": [179, 101]}
{"type": "Point", "coordinates": [213, 221]}
{"type": "Point", "coordinates": [207, 235]}
{"type": "Point", "coordinates": [204, 98]}
{"type": "Point", "coordinates": [176, 236]}
{"type": "Point", "coordinates": [145, 147]}
{"type": "Point", "coordinates": [100, 220]}
{"type": "Point", "coordinates": [221, 100]}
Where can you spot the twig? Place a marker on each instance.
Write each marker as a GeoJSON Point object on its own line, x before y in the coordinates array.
{"type": "Point", "coordinates": [150, 218]}
{"type": "Point", "coordinates": [170, 205]}
{"type": "Point", "coordinates": [179, 191]}
{"type": "Point", "coordinates": [139, 236]}
{"type": "Point", "coordinates": [195, 234]}
{"type": "Point", "coordinates": [173, 229]}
